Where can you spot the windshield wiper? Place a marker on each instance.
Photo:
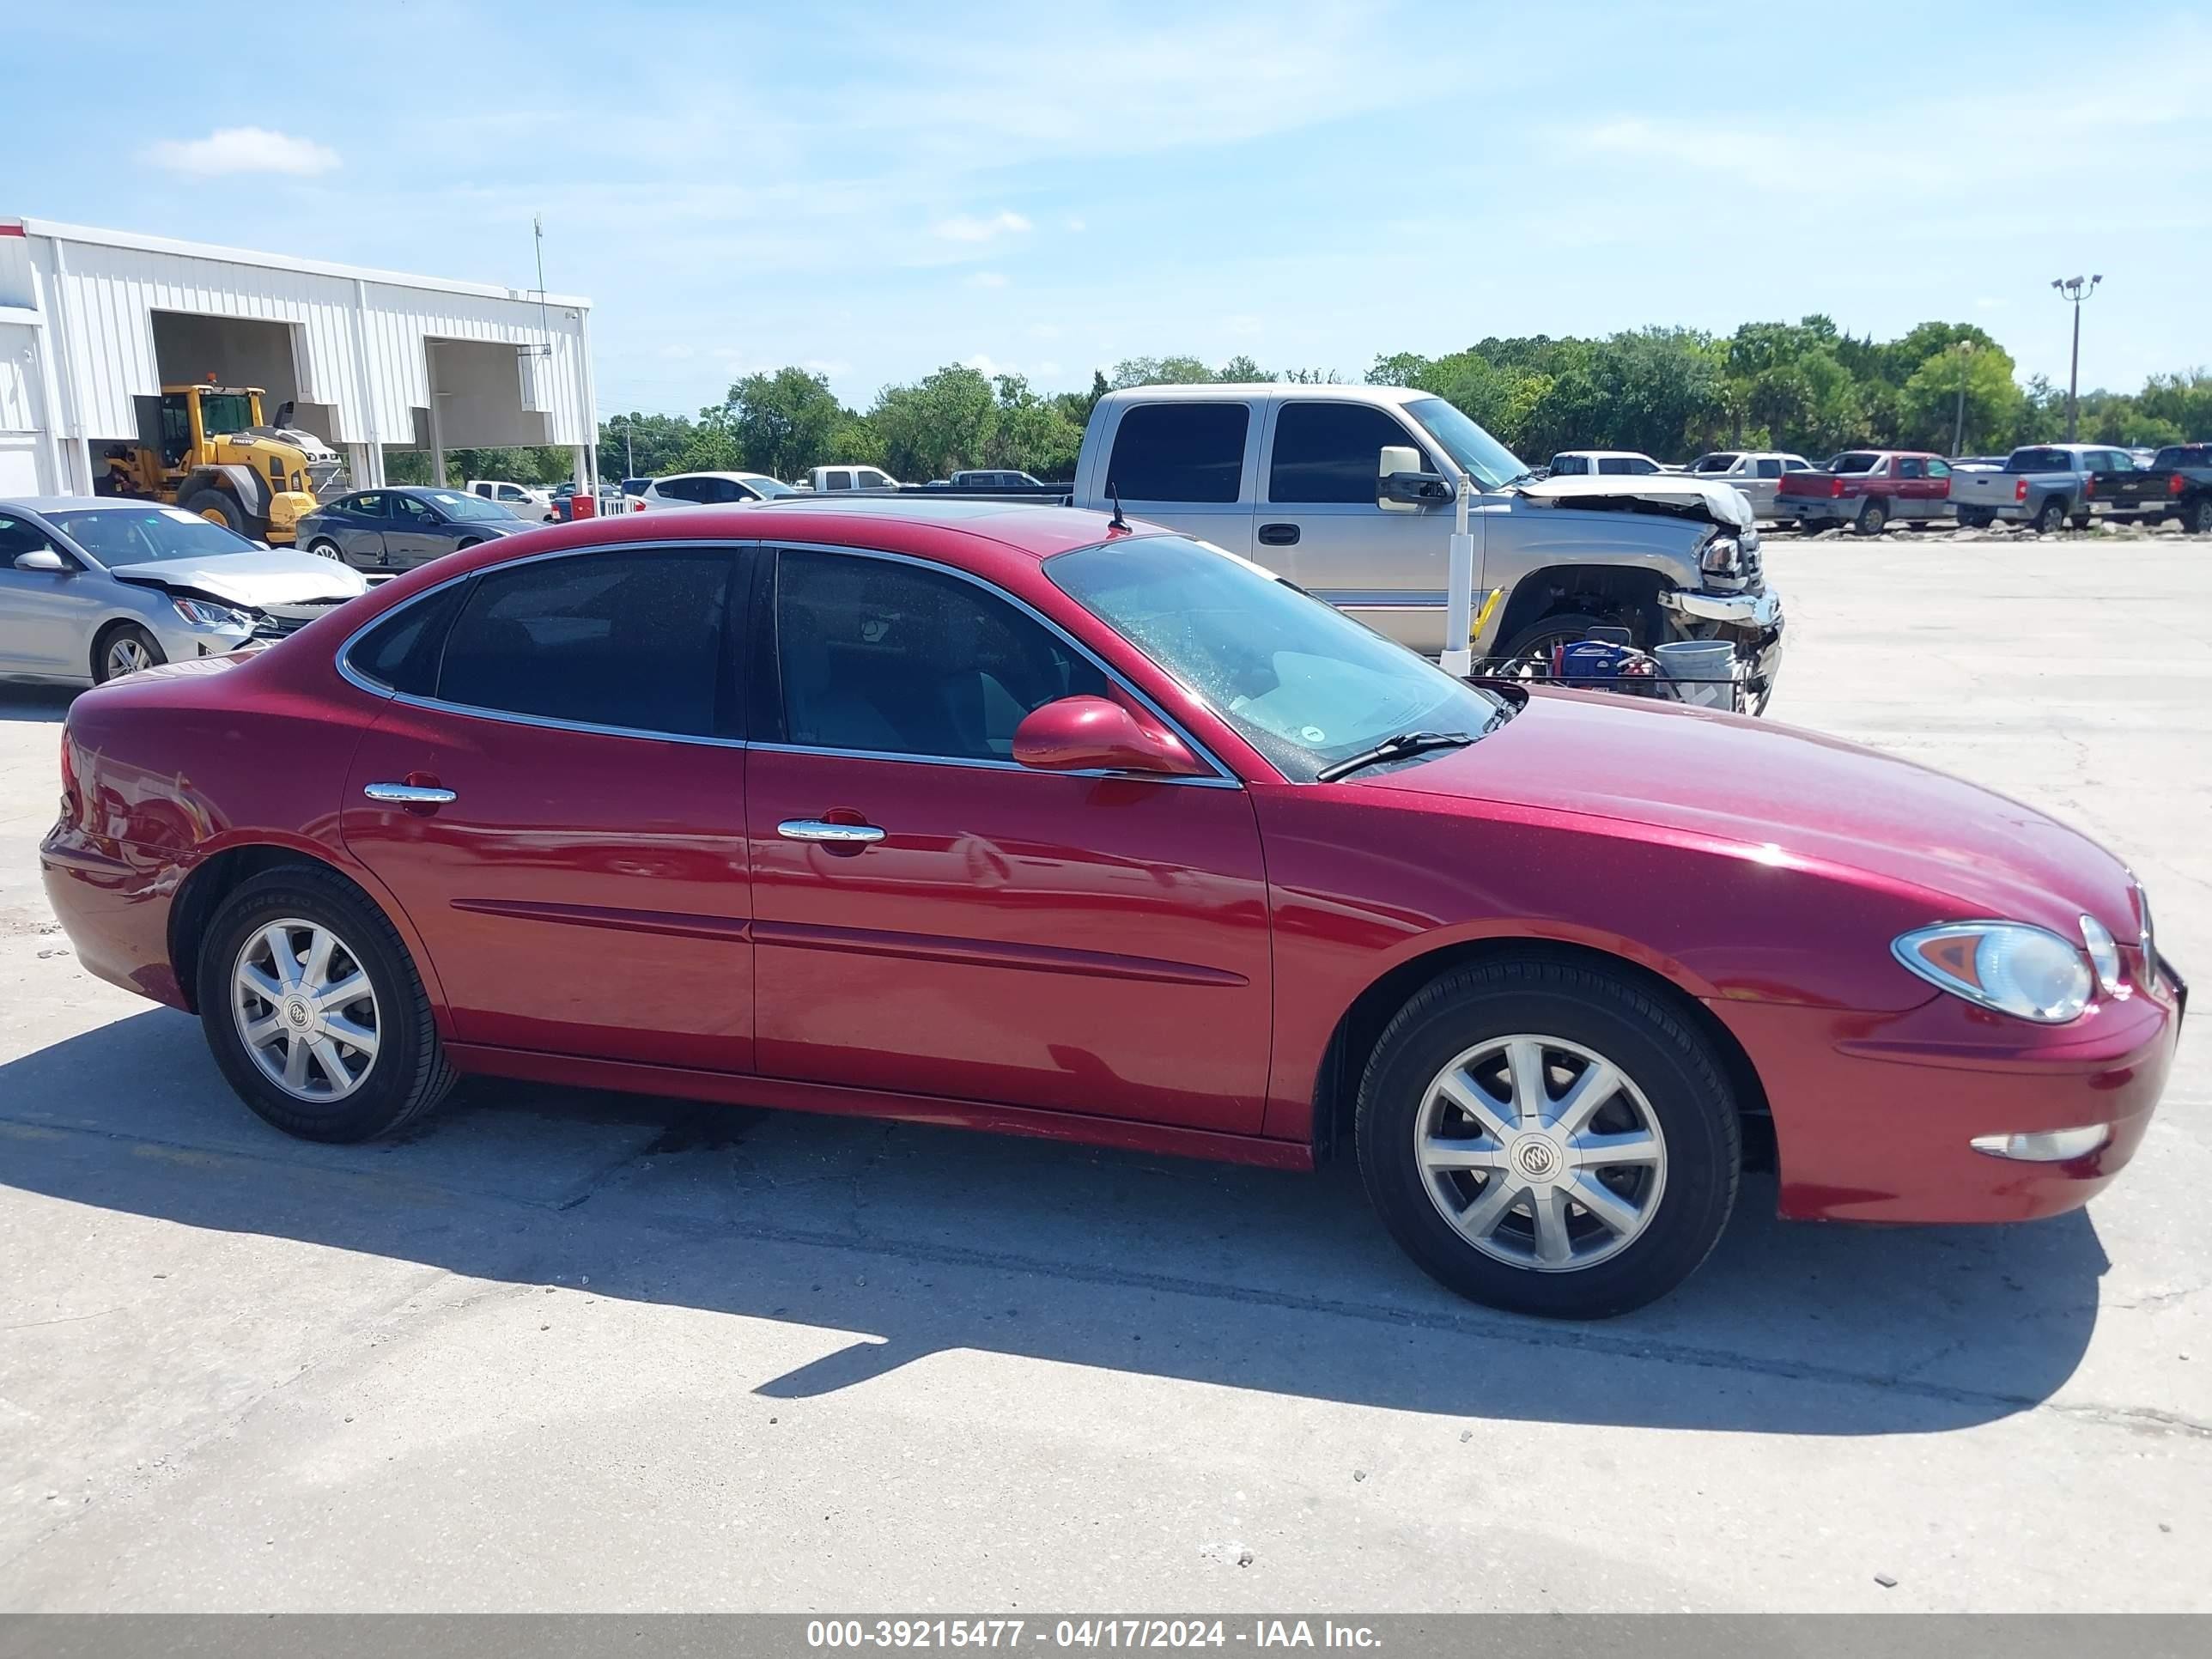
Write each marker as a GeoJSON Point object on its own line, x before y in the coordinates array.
{"type": "Point", "coordinates": [1527, 475]}
{"type": "Point", "coordinates": [1391, 749]}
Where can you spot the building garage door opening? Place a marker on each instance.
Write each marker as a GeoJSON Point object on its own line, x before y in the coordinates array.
{"type": "Point", "coordinates": [194, 349]}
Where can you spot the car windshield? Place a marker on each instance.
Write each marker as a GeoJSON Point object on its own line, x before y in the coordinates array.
{"type": "Point", "coordinates": [2039, 460]}
{"type": "Point", "coordinates": [1480, 456]}
{"type": "Point", "coordinates": [1719, 463]}
{"type": "Point", "coordinates": [455, 505]}
{"type": "Point", "coordinates": [121, 536]}
{"type": "Point", "coordinates": [1856, 460]}
{"type": "Point", "coordinates": [225, 412]}
{"type": "Point", "coordinates": [1303, 683]}
{"type": "Point", "coordinates": [768, 488]}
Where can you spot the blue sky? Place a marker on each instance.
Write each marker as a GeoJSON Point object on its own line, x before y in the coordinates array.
{"type": "Point", "coordinates": [876, 191]}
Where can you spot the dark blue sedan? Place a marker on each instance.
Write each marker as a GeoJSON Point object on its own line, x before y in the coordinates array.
{"type": "Point", "coordinates": [394, 529]}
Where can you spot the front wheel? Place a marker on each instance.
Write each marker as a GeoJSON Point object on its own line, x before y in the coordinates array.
{"type": "Point", "coordinates": [1548, 1138]}
{"type": "Point", "coordinates": [314, 1010]}
{"type": "Point", "coordinates": [1546, 632]}
{"type": "Point", "coordinates": [124, 649]}
{"type": "Point", "coordinates": [217, 508]}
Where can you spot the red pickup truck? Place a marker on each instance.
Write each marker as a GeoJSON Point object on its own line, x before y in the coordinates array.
{"type": "Point", "coordinates": [1866, 489]}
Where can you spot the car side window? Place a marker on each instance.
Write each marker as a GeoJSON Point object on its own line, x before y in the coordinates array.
{"type": "Point", "coordinates": [1909, 466]}
{"type": "Point", "coordinates": [1181, 452]}
{"type": "Point", "coordinates": [1770, 468]}
{"type": "Point", "coordinates": [406, 507]}
{"type": "Point", "coordinates": [369, 505]}
{"type": "Point", "coordinates": [883, 657]}
{"type": "Point", "coordinates": [1565, 465]}
{"type": "Point", "coordinates": [1327, 453]}
{"type": "Point", "coordinates": [836, 477]}
{"type": "Point", "coordinates": [627, 639]}
{"type": "Point", "coordinates": [1939, 468]}
{"type": "Point", "coordinates": [401, 651]}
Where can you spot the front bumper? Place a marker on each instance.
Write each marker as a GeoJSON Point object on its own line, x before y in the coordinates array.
{"type": "Point", "coordinates": [1875, 1115]}
{"type": "Point", "coordinates": [1757, 610]}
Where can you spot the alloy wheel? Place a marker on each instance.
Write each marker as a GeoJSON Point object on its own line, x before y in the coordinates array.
{"type": "Point", "coordinates": [305, 1010]}
{"type": "Point", "coordinates": [127, 655]}
{"type": "Point", "coordinates": [1541, 1154]}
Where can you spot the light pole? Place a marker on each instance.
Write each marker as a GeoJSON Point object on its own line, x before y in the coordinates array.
{"type": "Point", "coordinates": [2075, 289]}
{"type": "Point", "coordinates": [1966, 350]}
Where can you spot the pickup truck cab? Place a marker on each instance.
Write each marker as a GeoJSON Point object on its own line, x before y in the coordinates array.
{"type": "Point", "coordinates": [1602, 463]}
{"type": "Point", "coordinates": [2176, 484]}
{"type": "Point", "coordinates": [1350, 491]}
{"type": "Point", "coordinates": [1866, 489]}
{"type": "Point", "coordinates": [521, 499]}
{"type": "Point", "coordinates": [1757, 472]}
{"type": "Point", "coordinates": [827, 478]}
{"type": "Point", "coordinates": [2046, 485]}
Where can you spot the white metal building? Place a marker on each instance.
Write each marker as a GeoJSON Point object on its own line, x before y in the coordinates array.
{"type": "Point", "coordinates": [92, 320]}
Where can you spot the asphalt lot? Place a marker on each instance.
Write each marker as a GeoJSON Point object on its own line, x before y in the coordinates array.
{"type": "Point", "coordinates": [564, 1350]}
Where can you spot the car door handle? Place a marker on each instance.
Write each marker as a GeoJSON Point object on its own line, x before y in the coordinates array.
{"type": "Point", "coordinates": [409, 794]}
{"type": "Point", "coordinates": [846, 835]}
{"type": "Point", "coordinates": [1278, 535]}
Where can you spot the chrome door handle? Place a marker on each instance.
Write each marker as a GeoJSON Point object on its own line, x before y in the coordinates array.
{"type": "Point", "coordinates": [849, 835]}
{"type": "Point", "coordinates": [408, 794]}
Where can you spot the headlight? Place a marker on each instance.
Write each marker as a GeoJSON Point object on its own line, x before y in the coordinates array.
{"type": "Point", "coordinates": [1724, 556]}
{"type": "Point", "coordinates": [2028, 972]}
{"type": "Point", "coordinates": [2104, 956]}
{"type": "Point", "coordinates": [202, 613]}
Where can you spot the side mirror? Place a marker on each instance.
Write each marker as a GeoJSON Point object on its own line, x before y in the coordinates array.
{"type": "Point", "coordinates": [1400, 486]}
{"type": "Point", "coordinates": [1088, 734]}
{"type": "Point", "coordinates": [43, 560]}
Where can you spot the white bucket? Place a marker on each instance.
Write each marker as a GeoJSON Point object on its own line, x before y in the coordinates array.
{"type": "Point", "coordinates": [1713, 662]}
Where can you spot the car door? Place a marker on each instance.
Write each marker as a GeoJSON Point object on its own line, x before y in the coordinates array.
{"type": "Point", "coordinates": [1760, 479]}
{"type": "Point", "coordinates": [358, 523]}
{"type": "Point", "coordinates": [933, 918]}
{"type": "Point", "coordinates": [1189, 464]}
{"type": "Point", "coordinates": [416, 533]}
{"type": "Point", "coordinates": [46, 616]}
{"type": "Point", "coordinates": [578, 875]}
{"type": "Point", "coordinates": [1319, 523]}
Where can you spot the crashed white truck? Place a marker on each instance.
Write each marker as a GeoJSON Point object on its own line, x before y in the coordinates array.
{"type": "Point", "coordinates": [1354, 492]}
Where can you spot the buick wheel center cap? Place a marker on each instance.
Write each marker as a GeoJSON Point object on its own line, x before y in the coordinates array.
{"type": "Point", "coordinates": [297, 1016]}
{"type": "Point", "coordinates": [1537, 1158]}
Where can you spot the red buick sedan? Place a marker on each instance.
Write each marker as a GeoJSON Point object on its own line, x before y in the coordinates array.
{"type": "Point", "coordinates": [1019, 818]}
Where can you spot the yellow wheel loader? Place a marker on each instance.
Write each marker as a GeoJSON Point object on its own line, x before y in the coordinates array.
{"type": "Point", "coordinates": [205, 448]}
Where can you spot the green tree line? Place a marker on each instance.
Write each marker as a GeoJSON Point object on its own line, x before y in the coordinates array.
{"type": "Point", "coordinates": [1671, 392]}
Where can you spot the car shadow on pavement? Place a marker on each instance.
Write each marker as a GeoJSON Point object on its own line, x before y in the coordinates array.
{"type": "Point", "coordinates": [922, 1241]}
{"type": "Point", "coordinates": [35, 704]}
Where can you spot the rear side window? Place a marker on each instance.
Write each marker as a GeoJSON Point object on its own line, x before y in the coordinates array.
{"type": "Point", "coordinates": [1180, 452]}
{"type": "Point", "coordinates": [631, 640]}
{"type": "Point", "coordinates": [401, 651]}
{"type": "Point", "coordinates": [1565, 467]}
{"type": "Point", "coordinates": [1331, 452]}
{"type": "Point", "coordinates": [1856, 460]}
{"type": "Point", "coordinates": [1770, 468]}
{"type": "Point", "coordinates": [882, 657]}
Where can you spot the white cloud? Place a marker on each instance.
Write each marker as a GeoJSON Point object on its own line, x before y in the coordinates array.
{"type": "Point", "coordinates": [984, 363]}
{"type": "Point", "coordinates": [972, 227]}
{"type": "Point", "coordinates": [243, 150]}
{"type": "Point", "coordinates": [987, 279]}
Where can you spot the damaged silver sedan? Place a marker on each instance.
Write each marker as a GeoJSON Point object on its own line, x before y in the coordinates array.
{"type": "Point", "coordinates": [92, 588]}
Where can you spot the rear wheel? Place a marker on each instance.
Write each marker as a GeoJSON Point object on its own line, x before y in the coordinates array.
{"type": "Point", "coordinates": [124, 649]}
{"type": "Point", "coordinates": [315, 1012]}
{"type": "Point", "coordinates": [2197, 517]}
{"type": "Point", "coordinates": [323, 547]}
{"type": "Point", "coordinates": [1978, 520]}
{"type": "Point", "coordinates": [1548, 1138]}
{"type": "Point", "coordinates": [2051, 517]}
{"type": "Point", "coordinates": [219, 508]}
{"type": "Point", "coordinates": [1872, 519]}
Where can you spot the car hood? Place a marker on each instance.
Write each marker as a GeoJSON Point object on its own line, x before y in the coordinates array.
{"type": "Point", "coordinates": [1791, 797]}
{"type": "Point", "coordinates": [278, 576]}
{"type": "Point", "coordinates": [1677, 493]}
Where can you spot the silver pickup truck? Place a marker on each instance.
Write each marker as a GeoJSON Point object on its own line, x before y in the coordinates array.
{"type": "Point", "coordinates": [2046, 485]}
{"type": "Point", "coordinates": [1312, 482]}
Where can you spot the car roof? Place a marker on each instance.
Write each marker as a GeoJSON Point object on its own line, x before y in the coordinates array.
{"type": "Point", "coordinates": [1292, 391]}
{"type": "Point", "coordinates": [742, 478]}
{"type": "Point", "coordinates": [77, 503]}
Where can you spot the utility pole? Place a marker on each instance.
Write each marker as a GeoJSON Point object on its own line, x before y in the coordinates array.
{"type": "Point", "coordinates": [2075, 289]}
{"type": "Point", "coordinates": [630, 457]}
{"type": "Point", "coordinates": [1966, 350]}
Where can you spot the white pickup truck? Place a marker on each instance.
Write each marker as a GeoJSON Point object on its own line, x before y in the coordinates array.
{"type": "Point", "coordinates": [1351, 492]}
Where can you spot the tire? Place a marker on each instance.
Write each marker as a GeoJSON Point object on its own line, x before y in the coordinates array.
{"type": "Point", "coordinates": [1872, 519]}
{"type": "Point", "coordinates": [462, 547]}
{"type": "Point", "coordinates": [324, 548]}
{"type": "Point", "coordinates": [1563, 628]}
{"type": "Point", "coordinates": [226, 510]}
{"type": "Point", "coordinates": [1919, 523]}
{"type": "Point", "coordinates": [2197, 517]}
{"type": "Point", "coordinates": [2051, 517]}
{"type": "Point", "coordinates": [124, 648]}
{"type": "Point", "coordinates": [406, 1073]}
{"type": "Point", "coordinates": [1978, 520]}
{"type": "Point", "coordinates": [1674, 1092]}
